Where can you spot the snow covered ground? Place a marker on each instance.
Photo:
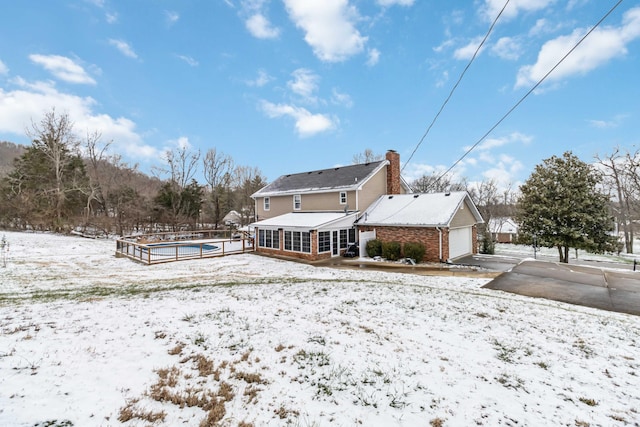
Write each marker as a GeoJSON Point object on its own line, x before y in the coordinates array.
{"type": "Point", "coordinates": [87, 339]}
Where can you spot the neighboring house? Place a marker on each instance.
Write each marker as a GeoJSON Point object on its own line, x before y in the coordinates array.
{"type": "Point", "coordinates": [445, 223]}
{"type": "Point", "coordinates": [503, 229]}
{"type": "Point", "coordinates": [311, 215]}
{"type": "Point", "coordinates": [233, 218]}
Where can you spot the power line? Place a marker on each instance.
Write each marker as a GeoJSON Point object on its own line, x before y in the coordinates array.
{"type": "Point", "coordinates": [530, 91]}
{"type": "Point", "coordinates": [446, 101]}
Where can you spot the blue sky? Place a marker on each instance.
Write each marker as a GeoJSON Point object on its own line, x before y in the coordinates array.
{"type": "Point", "coordinates": [294, 85]}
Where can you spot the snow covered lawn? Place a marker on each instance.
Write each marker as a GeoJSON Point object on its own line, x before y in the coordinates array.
{"type": "Point", "coordinates": [87, 339]}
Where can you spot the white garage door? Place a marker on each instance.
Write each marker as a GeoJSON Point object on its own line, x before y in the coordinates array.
{"type": "Point", "coordinates": [459, 242]}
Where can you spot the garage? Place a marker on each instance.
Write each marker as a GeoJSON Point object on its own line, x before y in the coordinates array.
{"type": "Point", "coordinates": [460, 242]}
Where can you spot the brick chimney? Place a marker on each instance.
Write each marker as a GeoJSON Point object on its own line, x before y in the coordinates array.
{"type": "Point", "coordinates": [393, 172]}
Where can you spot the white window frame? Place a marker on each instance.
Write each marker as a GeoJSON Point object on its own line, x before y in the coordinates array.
{"type": "Point", "coordinates": [343, 197]}
{"type": "Point", "coordinates": [297, 202]}
{"type": "Point", "coordinates": [267, 203]}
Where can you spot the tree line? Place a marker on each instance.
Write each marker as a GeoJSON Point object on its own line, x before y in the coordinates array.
{"type": "Point", "coordinates": [62, 182]}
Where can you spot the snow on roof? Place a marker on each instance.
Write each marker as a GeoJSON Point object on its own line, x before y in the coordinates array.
{"type": "Point", "coordinates": [503, 225]}
{"type": "Point", "coordinates": [427, 210]}
{"type": "Point", "coordinates": [306, 220]}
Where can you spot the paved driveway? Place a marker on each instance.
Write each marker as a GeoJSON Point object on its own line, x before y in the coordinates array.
{"type": "Point", "coordinates": [606, 289]}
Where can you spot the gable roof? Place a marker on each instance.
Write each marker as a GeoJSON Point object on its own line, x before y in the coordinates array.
{"type": "Point", "coordinates": [418, 210]}
{"type": "Point", "coordinates": [342, 178]}
{"type": "Point", "coordinates": [503, 225]}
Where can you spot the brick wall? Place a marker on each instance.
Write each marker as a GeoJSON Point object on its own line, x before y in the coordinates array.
{"type": "Point", "coordinates": [429, 237]}
{"type": "Point", "coordinates": [393, 172]}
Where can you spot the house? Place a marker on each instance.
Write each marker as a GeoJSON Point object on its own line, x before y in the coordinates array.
{"type": "Point", "coordinates": [311, 215]}
{"type": "Point", "coordinates": [316, 215]}
{"type": "Point", "coordinates": [503, 229]}
{"type": "Point", "coordinates": [445, 223]}
{"type": "Point", "coordinates": [233, 218]}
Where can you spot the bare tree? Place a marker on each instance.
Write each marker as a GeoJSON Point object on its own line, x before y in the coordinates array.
{"type": "Point", "coordinates": [367, 156]}
{"type": "Point", "coordinates": [619, 174]}
{"type": "Point", "coordinates": [53, 137]}
{"type": "Point", "coordinates": [434, 183]}
{"type": "Point", "coordinates": [218, 171]}
{"type": "Point", "coordinates": [247, 180]}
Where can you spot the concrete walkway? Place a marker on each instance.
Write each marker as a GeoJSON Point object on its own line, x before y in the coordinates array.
{"type": "Point", "coordinates": [601, 288]}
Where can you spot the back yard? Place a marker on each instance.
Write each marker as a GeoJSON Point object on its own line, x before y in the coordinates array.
{"type": "Point", "coordinates": [87, 339]}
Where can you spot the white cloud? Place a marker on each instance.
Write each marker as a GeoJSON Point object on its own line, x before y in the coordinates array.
{"type": "Point", "coordinates": [189, 60]}
{"type": "Point", "coordinates": [111, 17]}
{"type": "Point", "coordinates": [63, 68]}
{"type": "Point", "coordinates": [491, 143]}
{"type": "Point", "coordinates": [507, 48]}
{"type": "Point", "coordinates": [260, 27]}
{"type": "Point", "coordinates": [601, 46]}
{"type": "Point", "coordinates": [3, 68]}
{"type": "Point", "coordinates": [341, 98]}
{"type": "Point", "coordinates": [123, 47]}
{"type": "Point", "coordinates": [608, 124]}
{"type": "Point", "coordinates": [306, 123]}
{"type": "Point", "coordinates": [491, 8]}
{"type": "Point", "coordinates": [374, 57]}
{"type": "Point", "coordinates": [466, 52]}
{"type": "Point", "coordinates": [329, 27]}
{"type": "Point", "coordinates": [386, 3]}
{"type": "Point", "coordinates": [262, 79]}
{"type": "Point", "coordinates": [304, 84]}
{"type": "Point", "coordinates": [171, 17]}
{"type": "Point", "coordinates": [31, 100]}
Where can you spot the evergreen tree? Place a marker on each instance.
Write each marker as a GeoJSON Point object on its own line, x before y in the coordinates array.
{"type": "Point", "coordinates": [561, 206]}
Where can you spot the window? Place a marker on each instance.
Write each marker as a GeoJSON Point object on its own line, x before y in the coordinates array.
{"type": "Point", "coordinates": [324, 241]}
{"type": "Point", "coordinates": [297, 202]}
{"type": "Point", "coordinates": [269, 239]}
{"type": "Point", "coordinates": [352, 235]}
{"type": "Point", "coordinates": [297, 241]}
{"type": "Point", "coordinates": [343, 239]}
{"type": "Point", "coordinates": [343, 197]}
{"type": "Point", "coordinates": [267, 203]}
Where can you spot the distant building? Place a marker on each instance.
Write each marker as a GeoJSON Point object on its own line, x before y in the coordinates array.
{"type": "Point", "coordinates": [503, 229]}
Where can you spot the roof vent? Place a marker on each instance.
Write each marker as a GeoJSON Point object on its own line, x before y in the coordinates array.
{"type": "Point", "coordinates": [447, 194]}
{"type": "Point", "coordinates": [415, 196]}
{"type": "Point", "coordinates": [390, 197]}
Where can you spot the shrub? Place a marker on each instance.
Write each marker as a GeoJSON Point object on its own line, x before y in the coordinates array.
{"type": "Point", "coordinates": [487, 246]}
{"type": "Point", "coordinates": [374, 248]}
{"type": "Point", "coordinates": [414, 250]}
{"type": "Point", "coordinates": [391, 250]}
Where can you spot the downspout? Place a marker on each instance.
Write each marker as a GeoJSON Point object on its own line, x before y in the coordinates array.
{"type": "Point", "coordinates": [439, 242]}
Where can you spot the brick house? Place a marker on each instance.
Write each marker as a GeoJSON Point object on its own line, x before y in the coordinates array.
{"type": "Point", "coordinates": [316, 215]}
{"type": "Point", "coordinates": [311, 215]}
{"type": "Point", "coordinates": [445, 223]}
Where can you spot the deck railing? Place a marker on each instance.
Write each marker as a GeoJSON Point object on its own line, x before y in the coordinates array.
{"type": "Point", "coordinates": [166, 247]}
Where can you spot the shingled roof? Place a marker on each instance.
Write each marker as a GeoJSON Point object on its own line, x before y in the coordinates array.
{"type": "Point", "coordinates": [339, 178]}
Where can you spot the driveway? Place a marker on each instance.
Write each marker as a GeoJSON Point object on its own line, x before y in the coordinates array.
{"type": "Point", "coordinates": [602, 288]}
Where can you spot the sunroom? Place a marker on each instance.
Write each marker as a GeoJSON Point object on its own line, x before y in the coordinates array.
{"type": "Point", "coordinates": [306, 235]}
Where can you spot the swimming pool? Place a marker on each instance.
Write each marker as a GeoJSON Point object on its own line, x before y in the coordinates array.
{"type": "Point", "coordinates": [178, 249]}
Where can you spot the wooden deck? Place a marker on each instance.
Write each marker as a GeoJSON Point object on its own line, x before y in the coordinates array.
{"type": "Point", "coordinates": [167, 247]}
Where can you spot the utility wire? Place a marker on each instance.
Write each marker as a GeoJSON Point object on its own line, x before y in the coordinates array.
{"type": "Point", "coordinates": [446, 101]}
{"type": "Point", "coordinates": [530, 91]}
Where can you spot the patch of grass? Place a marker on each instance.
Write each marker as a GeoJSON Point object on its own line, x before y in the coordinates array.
{"type": "Point", "coordinates": [54, 423]}
{"type": "Point", "coordinates": [131, 412]}
{"type": "Point", "coordinates": [588, 402]}
{"type": "Point", "coordinates": [304, 359]}
{"type": "Point", "coordinates": [177, 350]}
{"type": "Point", "coordinates": [436, 422]}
